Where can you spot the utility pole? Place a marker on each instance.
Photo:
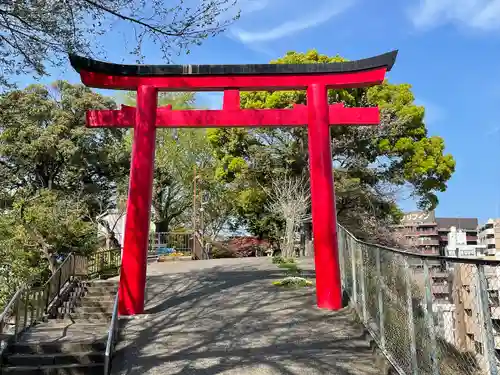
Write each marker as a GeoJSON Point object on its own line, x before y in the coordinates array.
{"type": "Point", "coordinates": [194, 210]}
{"type": "Point", "coordinates": [194, 198]}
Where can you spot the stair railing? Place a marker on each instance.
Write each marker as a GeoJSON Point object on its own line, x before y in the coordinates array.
{"type": "Point", "coordinates": [33, 302]}
{"type": "Point", "coordinates": [112, 338]}
{"type": "Point", "coordinates": [113, 331]}
{"type": "Point", "coordinates": [104, 263]}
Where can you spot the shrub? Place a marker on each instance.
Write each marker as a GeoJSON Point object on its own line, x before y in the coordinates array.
{"type": "Point", "coordinates": [278, 260]}
{"type": "Point", "coordinates": [222, 252]}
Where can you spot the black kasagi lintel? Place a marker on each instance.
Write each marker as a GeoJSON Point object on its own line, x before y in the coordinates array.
{"type": "Point", "coordinates": [80, 63]}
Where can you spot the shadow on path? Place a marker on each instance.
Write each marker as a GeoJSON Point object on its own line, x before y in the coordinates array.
{"type": "Point", "coordinates": [225, 317]}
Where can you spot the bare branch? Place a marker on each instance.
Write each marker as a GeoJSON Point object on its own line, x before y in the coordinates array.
{"type": "Point", "coordinates": [290, 198]}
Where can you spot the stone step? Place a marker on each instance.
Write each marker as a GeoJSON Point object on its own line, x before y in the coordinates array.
{"type": "Point", "coordinates": [83, 358]}
{"type": "Point", "coordinates": [100, 291]}
{"type": "Point", "coordinates": [79, 319]}
{"type": "Point", "coordinates": [84, 309]}
{"type": "Point", "coordinates": [92, 325]}
{"type": "Point", "coordinates": [80, 315]}
{"type": "Point", "coordinates": [66, 347]}
{"type": "Point", "coordinates": [96, 302]}
{"type": "Point", "coordinates": [74, 369]}
{"type": "Point", "coordinates": [102, 282]}
{"type": "Point", "coordinates": [108, 298]}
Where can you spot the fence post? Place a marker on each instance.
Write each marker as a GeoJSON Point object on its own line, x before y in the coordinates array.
{"type": "Point", "coordinates": [487, 326]}
{"type": "Point", "coordinates": [26, 306]}
{"type": "Point", "coordinates": [16, 324]}
{"type": "Point", "coordinates": [411, 323]}
{"type": "Point", "coordinates": [59, 283]}
{"type": "Point", "coordinates": [429, 318]}
{"type": "Point", "coordinates": [353, 266]}
{"type": "Point", "coordinates": [362, 282]}
{"type": "Point", "coordinates": [341, 244]}
{"type": "Point", "coordinates": [380, 298]}
{"type": "Point", "coordinates": [47, 299]}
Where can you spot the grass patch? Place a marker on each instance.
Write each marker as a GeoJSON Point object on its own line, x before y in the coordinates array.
{"type": "Point", "coordinates": [293, 282]}
{"type": "Point", "coordinates": [281, 260]}
{"type": "Point", "coordinates": [292, 274]}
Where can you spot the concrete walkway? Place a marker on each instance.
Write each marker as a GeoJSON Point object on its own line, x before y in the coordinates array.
{"type": "Point", "coordinates": [225, 317]}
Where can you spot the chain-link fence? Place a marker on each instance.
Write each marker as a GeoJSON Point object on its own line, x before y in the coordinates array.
{"type": "Point", "coordinates": [428, 314]}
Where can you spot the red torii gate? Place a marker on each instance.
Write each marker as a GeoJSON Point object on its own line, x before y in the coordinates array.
{"type": "Point", "coordinates": [317, 115]}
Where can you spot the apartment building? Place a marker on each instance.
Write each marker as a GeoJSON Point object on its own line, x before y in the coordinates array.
{"type": "Point", "coordinates": [469, 323]}
{"type": "Point", "coordinates": [426, 234]}
{"type": "Point", "coordinates": [423, 232]}
{"type": "Point", "coordinates": [466, 225]}
{"type": "Point", "coordinates": [488, 234]}
{"type": "Point", "coordinates": [459, 246]}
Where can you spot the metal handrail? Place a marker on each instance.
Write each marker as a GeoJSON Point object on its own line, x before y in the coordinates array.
{"type": "Point", "coordinates": [3, 315]}
{"type": "Point", "coordinates": [58, 277]}
{"type": "Point", "coordinates": [110, 344]}
{"type": "Point", "coordinates": [103, 261]}
{"type": "Point", "coordinates": [31, 304]}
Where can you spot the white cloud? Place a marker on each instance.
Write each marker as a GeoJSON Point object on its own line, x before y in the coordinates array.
{"type": "Point", "coordinates": [244, 7]}
{"type": "Point", "coordinates": [293, 26]}
{"type": "Point", "coordinates": [478, 14]}
{"type": "Point", "coordinates": [250, 6]}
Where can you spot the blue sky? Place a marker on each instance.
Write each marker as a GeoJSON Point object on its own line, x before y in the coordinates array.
{"type": "Point", "coordinates": [449, 52]}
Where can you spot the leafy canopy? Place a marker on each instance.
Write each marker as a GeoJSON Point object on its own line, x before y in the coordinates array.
{"type": "Point", "coordinates": [44, 144]}
{"type": "Point", "coordinates": [371, 163]}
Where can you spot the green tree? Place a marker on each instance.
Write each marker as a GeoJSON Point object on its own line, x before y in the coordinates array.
{"type": "Point", "coordinates": [51, 224]}
{"type": "Point", "coordinates": [17, 263]}
{"type": "Point", "coordinates": [56, 176]}
{"type": "Point", "coordinates": [36, 33]}
{"type": "Point", "coordinates": [371, 163]}
{"type": "Point", "coordinates": [35, 231]}
{"type": "Point", "coordinates": [44, 145]}
{"type": "Point", "coordinates": [178, 152]}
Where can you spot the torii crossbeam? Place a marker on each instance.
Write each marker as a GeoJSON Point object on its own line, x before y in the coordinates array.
{"type": "Point", "coordinates": [317, 115]}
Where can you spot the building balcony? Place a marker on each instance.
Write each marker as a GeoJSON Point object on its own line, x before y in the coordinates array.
{"type": "Point", "coordinates": [440, 274]}
{"type": "Point", "coordinates": [421, 242]}
{"type": "Point", "coordinates": [420, 232]}
{"type": "Point", "coordinates": [497, 342]}
{"type": "Point", "coordinates": [440, 289]}
{"type": "Point", "coordinates": [495, 312]}
{"type": "Point", "coordinates": [487, 231]}
{"type": "Point", "coordinates": [427, 233]}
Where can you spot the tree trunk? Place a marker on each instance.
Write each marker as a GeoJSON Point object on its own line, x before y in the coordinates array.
{"type": "Point", "coordinates": [111, 241]}
{"type": "Point", "coordinates": [162, 226]}
{"type": "Point", "coordinates": [289, 239]}
{"type": "Point", "coordinates": [51, 259]}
